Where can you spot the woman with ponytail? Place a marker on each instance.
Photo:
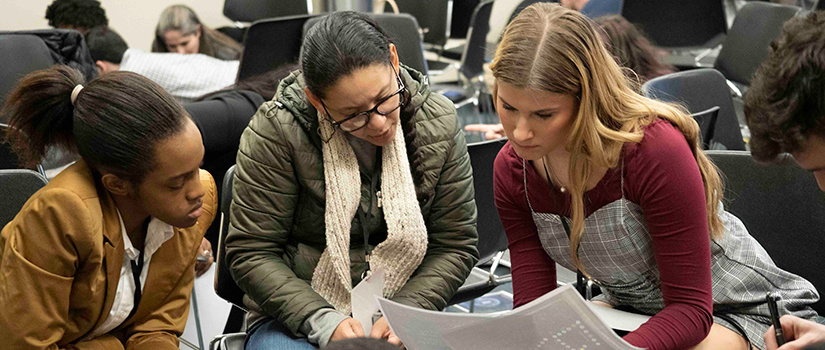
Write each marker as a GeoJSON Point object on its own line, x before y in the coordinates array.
{"type": "Point", "coordinates": [103, 257]}
{"type": "Point", "coordinates": [602, 180]}
{"type": "Point", "coordinates": [355, 166]}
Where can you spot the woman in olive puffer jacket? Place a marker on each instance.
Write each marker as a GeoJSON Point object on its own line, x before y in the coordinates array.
{"type": "Point", "coordinates": [354, 166]}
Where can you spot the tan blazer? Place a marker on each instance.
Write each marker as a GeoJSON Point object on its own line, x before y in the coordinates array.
{"type": "Point", "coordinates": [60, 265]}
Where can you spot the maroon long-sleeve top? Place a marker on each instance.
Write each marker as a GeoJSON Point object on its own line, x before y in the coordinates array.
{"type": "Point", "coordinates": [662, 177]}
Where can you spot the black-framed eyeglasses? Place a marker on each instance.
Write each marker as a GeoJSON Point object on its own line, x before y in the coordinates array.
{"type": "Point", "coordinates": [359, 120]}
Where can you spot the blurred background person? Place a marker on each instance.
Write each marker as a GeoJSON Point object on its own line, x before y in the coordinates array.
{"type": "Point", "coordinates": [186, 77]}
{"type": "Point", "coordinates": [81, 15]}
{"type": "Point", "coordinates": [631, 49]}
{"type": "Point", "coordinates": [179, 30]}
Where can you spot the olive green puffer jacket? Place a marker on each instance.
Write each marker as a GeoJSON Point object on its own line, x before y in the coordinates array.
{"type": "Point", "coordinates": [277, 234]}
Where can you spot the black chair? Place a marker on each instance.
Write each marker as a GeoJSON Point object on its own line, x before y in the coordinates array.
{"type": "Point", "coordinates": [492, 242]}
{"type": "Point", "coordinates": [16, 186]}
{"type": "Point", "coordinates": [678, 24]}
{"type": "Point", "coordinates": [271, 43]}
{"type": "Point", "coordinates": [253, 10]}
{"type": "Point", "coordinates": [749, 38]}
{"type": "Point", "coordinates": [782, 207]}
{"type": "Point", "coordinates": [459, 25]}
{"type": "Point", "coordinates": [21, 54]}
{"type": "Point", "coordinates": [471, 68]}
{"type": "Point", "coordinates": [460, 19]}
{"type": "Point", "coordinates": [433, 16]}
{"type": "Point", "coordinates": [225, 285]}
{"type": "Point", "coordinates": [707, 124]}
{"type": "Point", "coordinates": [700, 90]}
{"type": "Point", "coordinates": [403, 29]}
{"type": "Point", "coordinates": [434, 19]}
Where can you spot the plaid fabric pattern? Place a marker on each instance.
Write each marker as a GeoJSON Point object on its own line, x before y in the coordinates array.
{"type": "Point", "coordinates": [186, 77]}
{"type": "Point", "coordinates": [617, 251]}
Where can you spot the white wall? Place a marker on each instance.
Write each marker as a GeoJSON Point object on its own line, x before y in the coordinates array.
{"type": "Point", "coordinates": [135, 20]}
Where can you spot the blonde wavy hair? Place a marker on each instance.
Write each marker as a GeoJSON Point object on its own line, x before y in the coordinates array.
{"type": "Point", "coordinates": [551, 48]}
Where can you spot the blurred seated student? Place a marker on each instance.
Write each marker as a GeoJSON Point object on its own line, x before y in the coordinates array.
{"type": "Point", "coordinates": [785, 111]}
{"type": "Point", "coordinates": [632, 49]}
{"type": "Point", "coordinates": [223, 115]}
{"type": "Point", "coordinates": [81, 15]}
{"type": "Point", "coordinates": [600, 179]}
{"type": "Point", "coordinates": [179, 30]}
{"type": "Point", "coordinates": [628, 46]}
{"type": "Point", "coordinates": [185, 77]}
{"type": "Point", "coordinates": [103, 257]}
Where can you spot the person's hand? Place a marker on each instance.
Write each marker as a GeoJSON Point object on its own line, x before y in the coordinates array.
{"type": "Point", "coordinates": [491, 131]}
{"type": "Point", "coordinates": [348, 328]}
{"type": "Point", "coordinates": [381, 329]}
{"type": "Point", "coordinates": [205, 258]}
{"type": "Point", "coordinates": [799, 334]}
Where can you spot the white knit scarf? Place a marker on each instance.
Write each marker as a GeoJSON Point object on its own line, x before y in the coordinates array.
{"type": "Point", "coordinates": [403, 250]}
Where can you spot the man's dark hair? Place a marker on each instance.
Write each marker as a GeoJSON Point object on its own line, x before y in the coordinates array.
{"type": "Point", "coordinates": [786, 101]}
{"type": "Point", "coordinates": [76, 13]}
{"type": "Point", "coordinates": [106, 45]}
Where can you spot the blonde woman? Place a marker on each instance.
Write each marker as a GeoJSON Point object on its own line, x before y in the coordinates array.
{"type": "Point", "coordinates": [597, 178]}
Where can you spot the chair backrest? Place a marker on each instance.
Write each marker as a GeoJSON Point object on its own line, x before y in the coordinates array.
{"type": "Point", "coordinates": [433, 16]}
{"type": "Point", "coordinates": [253, 10]}
{"type": "Point", "coordinates": [403, 29]}
{"type": "Point", "coordinates": [461, 17]}
{"type": "Point", "coordinates": [749, 38]}
{"type": "Point", "coordinates": [225, 285]}
{"type": "Point", "coordinates": [21, 54]}
{"type": "Point", "coordinates": [491, 237]}
{"type": "Point", "coordinates": [271, 43]}
{"type": "Point", "coordinates": [700, 90]}
{"type": "Point", "coordinates": [678, 23]}
{"type": "Point", "coordinates": [16, 186]}
{"type": "Point", "coordinates": [472, 60]}
{"type": "Point", "coordinates": [707, 124]}
{"type": "Point", "coordinates": [782, 207]}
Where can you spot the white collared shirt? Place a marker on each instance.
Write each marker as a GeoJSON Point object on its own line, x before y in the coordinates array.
{"type": "Point", "coordinates": [184, 76]}
{"type": "Point", "coordinates": [157, 233]}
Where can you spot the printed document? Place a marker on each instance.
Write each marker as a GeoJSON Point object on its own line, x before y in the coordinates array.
{"type": "Point", "coordinates": [560, 319]}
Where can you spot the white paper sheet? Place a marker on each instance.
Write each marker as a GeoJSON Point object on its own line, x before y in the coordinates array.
{"type": "Point", "coordinates": [213, 310]}
{"type": "Point", "coordinates": [557, 320]}
{"type": "Point", "coordinates": [364, 302]}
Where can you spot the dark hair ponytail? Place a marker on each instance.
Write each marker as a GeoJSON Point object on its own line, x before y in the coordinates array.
{"type": "Point", "coordinates": [114, 123]}
{"type": "Point", "coordinates": [338, 44]}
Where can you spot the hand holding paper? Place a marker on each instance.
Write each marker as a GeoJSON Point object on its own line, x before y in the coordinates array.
{"type": "Point", "coordinates": [364, 302]}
